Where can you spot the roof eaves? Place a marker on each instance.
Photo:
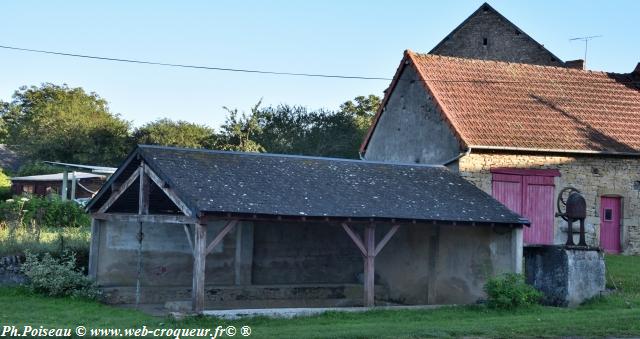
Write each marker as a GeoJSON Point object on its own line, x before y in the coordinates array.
{"type": "Point", "coordinates": [283, 218]}
{"type": "Point", "coordinates": [551, 150]}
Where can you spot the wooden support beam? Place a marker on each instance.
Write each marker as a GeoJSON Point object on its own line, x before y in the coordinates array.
{"type": "Point", "coordinates": [187, 230]}
{"type": "Point", "coordinates": [386, 239]}
{"type": "Point", "coordinates": [150, 218]}
{"type": "Point", "coordinates": [168, 191]}
{"type": "Point", "coordinates": [143, 196]}
{"type": "Point", "coordinates": [355, 238]}
{"type": "Point", "coordinates": [116, 194]}
{"type": "Point", "coordinates": [199, 264]}
{"type": "Point", "coordinates": [227, 228]}
{"type": "Point", "coordinates": [369, 261]}
{"type": "Point", "coordinates": [369, 252]}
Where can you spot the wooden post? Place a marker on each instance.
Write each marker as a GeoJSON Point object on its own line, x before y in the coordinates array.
{"type": "Point", "coordinates": [369, 269]}
{"type": "Point", "coordinates": [369, 251]}
{"type": "Point", "coordinates": [238, 260]}
{"type": "Point", "coordinates": [143, 196]}
{"type": "Point", "coordinates": [74, 183]}
{"type": "Point", "coordinates": [199, 260]}
{"type": "Point", "coordinates": [65, 179]}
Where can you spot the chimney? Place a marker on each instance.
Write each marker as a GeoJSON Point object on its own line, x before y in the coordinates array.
{"type": "Point", "coordinates": [577, 64]}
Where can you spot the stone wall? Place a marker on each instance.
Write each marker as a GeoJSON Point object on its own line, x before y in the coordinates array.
{"type": "Point", "coordinates": [488, 35]}
{"type": "Point", "coordinates": [411, 129]}
{"type": "Point", "coordinates": [10, 270]}
{"type": "Point", "coordinates": [594, 176]}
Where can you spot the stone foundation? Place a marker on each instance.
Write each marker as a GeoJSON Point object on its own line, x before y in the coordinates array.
{"type": "Point", "coordinates": [567, 277]}
{"type": "Point", "coordinates": [251, 296]}
{"type": "Point", "coordinates": [10, 271]}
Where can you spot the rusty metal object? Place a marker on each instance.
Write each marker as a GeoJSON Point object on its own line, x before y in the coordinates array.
{"type": "Point", "coordinates": [575, 209]}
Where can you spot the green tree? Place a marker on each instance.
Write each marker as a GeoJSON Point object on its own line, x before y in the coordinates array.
{"type": "Point", "coordinates": [5, 186]}
{"type": "Point", "coordinates": [240, 130]}
{"type": "Point", "coordinates": [362, 109]}
{"type": "Point", "coordinates": [296, 130]}
{"type": "Point", "coordinates": [3, 130]}
{"type": "Point", "coordinates": [179, 133]}
{"type": "Point", "coordinates": [54, 122]}
{"type": "Point", "coordinates": [37, 168]}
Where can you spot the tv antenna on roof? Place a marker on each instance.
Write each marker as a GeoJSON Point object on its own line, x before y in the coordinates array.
{"type": "Point", "coordinates": [586, 40]}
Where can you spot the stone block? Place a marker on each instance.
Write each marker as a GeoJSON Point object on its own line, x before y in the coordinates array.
{"type": "Point", "coordinates": [567, 277]}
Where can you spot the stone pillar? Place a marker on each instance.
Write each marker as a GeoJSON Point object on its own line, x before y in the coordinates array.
{"type": "Point", "coordinates": [94, 248]}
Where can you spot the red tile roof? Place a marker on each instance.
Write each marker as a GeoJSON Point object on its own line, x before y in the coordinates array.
{"type": "Point", "coordinates": [492, 104]}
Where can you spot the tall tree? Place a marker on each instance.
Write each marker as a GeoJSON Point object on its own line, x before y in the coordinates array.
{"type": "Point", "coordinates": [362, 109]}
{"type": "Point", "coordinates": [241, 130]}
{"type": "Point", "coordinates": [167, 132]}
{"type": "Point", "coordinates": [296, 130]}
{"type": "Point", "coordinates": [3, 131]}
{"type": "Point", "coordinates": [54, 122]}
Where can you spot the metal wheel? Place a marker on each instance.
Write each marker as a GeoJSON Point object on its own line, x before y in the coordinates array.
{"type": "Point", "coordinates": [561, 202]}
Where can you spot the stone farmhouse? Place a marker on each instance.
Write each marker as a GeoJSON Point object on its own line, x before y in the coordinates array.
{"type": "Point", "coordinates": [522, 132]}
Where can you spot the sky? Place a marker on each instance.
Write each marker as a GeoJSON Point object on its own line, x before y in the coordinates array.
{"type": "Point", "coordinates": [361, 38]}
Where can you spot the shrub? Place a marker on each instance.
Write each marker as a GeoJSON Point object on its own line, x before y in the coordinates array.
{"type": "Point", "coordinates": [58, 277]}
{"type": "Point", "coordinates": [509, 291]}
{"type": "Point", "coordinates": [43, 212]}
{"type": "Point", "coordinates": [5, 186]}
{"type": "Point", "coordinates": [36, 168]}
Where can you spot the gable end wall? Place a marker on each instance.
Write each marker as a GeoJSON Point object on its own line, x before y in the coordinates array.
{"type": "Point", "coordinates": [503, 42]}
{"type": "Point", "coordinates": [411, 129]}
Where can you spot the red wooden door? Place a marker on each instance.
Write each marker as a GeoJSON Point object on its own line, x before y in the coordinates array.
{"type": "Point", "coordinates": [507, 189]}
{"type": "Point", "coordinates": [532, 197]}
{"type": "Point", "coordinates": [610, 224]}
{"type": "Point", "coordinates": [538, 208]}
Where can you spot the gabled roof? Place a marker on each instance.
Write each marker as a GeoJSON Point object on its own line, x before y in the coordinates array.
{"type": "Point", "coordinates": [245, 184]}
{"type": "Point", "coordinates": [485, 7]}
{"type": "Point", "coordinates": [511, 106]}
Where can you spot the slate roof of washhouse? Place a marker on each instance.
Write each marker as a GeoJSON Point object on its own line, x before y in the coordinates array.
{"type": "Point", "coordinates": [245, 184]}
{"type": "Point", "coordinates": [501, 105]}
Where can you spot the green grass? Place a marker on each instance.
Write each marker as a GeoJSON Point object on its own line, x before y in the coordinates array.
{"type": "Point", "coordinates": [615, 315]}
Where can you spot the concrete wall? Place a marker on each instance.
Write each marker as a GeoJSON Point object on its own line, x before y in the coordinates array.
{"type": "Point", "coordinates": [286, 253]}
{"type": "Point", "coordinates": [410, 129]}
{"type": "Point", "coordinates": [296, 264]}
{"type": "Point", "coordinates": [594, 176]}
{"type": "Point", "coordinates": [504, 42]}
